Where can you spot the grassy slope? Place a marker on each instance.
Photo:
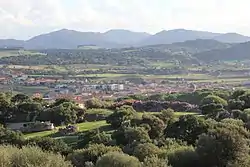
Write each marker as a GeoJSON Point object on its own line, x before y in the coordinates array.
{"type": "Point", "coordinates": [82, 127]}
{"type": "Point", "coordinates": [88, 126]}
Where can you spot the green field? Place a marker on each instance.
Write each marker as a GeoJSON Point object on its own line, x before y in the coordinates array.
{"type": "Point", "coordinates": [8, 53]}
{"type": "Point", "coordinates": [82, 127]}
{"type": "Point", "coordinates": [163, 65]}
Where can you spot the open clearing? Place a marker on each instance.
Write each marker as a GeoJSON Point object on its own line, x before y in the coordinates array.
{"type": "Point", "coordinates": [82, 127]}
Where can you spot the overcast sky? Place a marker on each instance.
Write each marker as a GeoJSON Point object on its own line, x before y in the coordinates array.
{"type": "Point", "coordinates": [22, 19]}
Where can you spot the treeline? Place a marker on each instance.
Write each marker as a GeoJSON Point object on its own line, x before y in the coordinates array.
{"type": "Point", "coordinates": [217, 136]}
{"type": "Point", "coordinates": [189, 97]}
{"type": "Point", "coordinates": [22, 108]}
{"type": "Point", "coordinates": [112, 57]}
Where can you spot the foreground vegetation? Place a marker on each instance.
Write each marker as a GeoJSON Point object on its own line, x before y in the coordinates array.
{"type": "Point", "coordinates": [215, 133]}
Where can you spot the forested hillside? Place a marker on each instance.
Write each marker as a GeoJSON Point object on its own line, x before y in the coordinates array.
{"type": "Point", "coordinates": [205, 128]}
{"type": "Point", "coordinates": [186, 53]}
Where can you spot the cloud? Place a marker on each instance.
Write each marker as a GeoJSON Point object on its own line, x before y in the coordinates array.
{"type": "Point", "coordinates": [26, 18]}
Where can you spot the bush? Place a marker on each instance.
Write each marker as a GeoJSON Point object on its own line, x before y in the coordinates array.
{"type": "Point", "coordinates": [30, 157]}
{"type": "Point", "coordinates": [156, 125]}
{"type": "Point", "coordinates": [93, 137]}
{"type": "Point", "coordinates": [154, 162]}
{"type": "Point", "coordinates": [121, 115]}
{"type": "Point", "coordinates": [129, 135]}
{"type": "Point", "coordinates": [116, 159]}
{"type": "Point", "coordinates": [167, 116]}
{"type": "Point", "coordinates": [187, 128]}
{"type": "Point", "coordinates": [50, 144]}
{"type": "Point", "coordinates": [184, 156]}
{"type": "Point", "coordinates": [213, 99]}
{"type": "Point", "coordinates": [225, 145]}
{"type": "Point", "coordinates": [146, 150]}
{"type": "Point", "coordinates": [8, 136]}
{"type": "Point", "coordinates": [94, 103]}
{"type": "Point", "coordinates": [90, 154]}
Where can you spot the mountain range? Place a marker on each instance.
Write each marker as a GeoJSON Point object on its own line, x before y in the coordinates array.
{"type": "Point", "coordinates": [117, 38]}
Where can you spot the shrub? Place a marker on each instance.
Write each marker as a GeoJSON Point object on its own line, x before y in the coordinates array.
{"type": "Point", "coordinates": [50, 144]}
{"type": "Point", "coordinates": [156, 125]}
{"type": "Point", "coordinates": [213, 99]}
{"type": "Point", "coordinates": [154, 162]}
{"type": "Point", "coordinates": [187, 128]}
{"type": "Point", "coordinates": [146, 150]}
{"type": "Point", "coordinates": [116, 159]}
{"type": "Point", "coordinates": [225, 145]}
{"type": "Point", "coordinates": [8, 136]}
{"type": "Point", "coordinates": [90, 154]}
{"type": "Point", "coordinates": [121, 115]}
{"type": "Point", "coordinates": [30, 157]}
{"type": "Point", "coordinates": [93, 137]}
{"type": "Point", "coordinates": [130, 135]}
{"type": "Point", "coordinates": [184, 156]}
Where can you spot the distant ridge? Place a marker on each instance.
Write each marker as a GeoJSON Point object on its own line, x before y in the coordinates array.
{"type": "Point", "coordinates": [117, 38]}
{"type": "Point", "coordinates": [236, 52]}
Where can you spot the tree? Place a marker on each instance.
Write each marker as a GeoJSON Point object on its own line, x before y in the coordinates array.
{"type": "Point", "coordinates": [167, 116]}
{"type": "Point", "coordinates": [212, 109]}
{"type": "Point", "coordinates": [64, 113]}
{"type": "Point", "coordinates": [20, 98]}
{"type": "Point", "coordinates": [117, 159]}
{"type": "Point", "coordinates": [236, 94]}
{"type": "Point", "coordinates": [90, 154]}
{"type": "Point", "coordinates": [61, 101]}
{"type": "Point", "coordinates": [30, 156]}
{"type": "Point", "coordinates": [231, 121]}
{"type": "Point", "coordinates": [146, 150]}
{"type": "Point", "coordinates": [187, 128]}
{"type": "Point", "coordinates": [121, 115]}
{"type": "Point", "coordinates": [6, 111]}
{"type": "Point", "coordinates": [10, 137]}
{"type": "Point", "coordinates": [93, 103]}
{"type": "Point", "coordinates": [156, 125]}
{"type": "Point", "coordinates": [213, 99]}
{"type": "Point", "coordinates": [246, 98]}
{"type": "Point", "coordinates": [236, 104]}
{"type": "Point", "coordinates": [93, 137]}
{"type": "Point", "coordinates": [137, 134]}
{"type": "Point", "coordinates": [31, 109]}
{"type": "Point", "coordinates": [224, 145]}
{"type": "Point", "coordinates": [124, 136]}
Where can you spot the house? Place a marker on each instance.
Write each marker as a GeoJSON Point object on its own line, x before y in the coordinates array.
{"type": "Point", "coordinates": [22, 77]}
{"type": "Point", "coordinates": [31, 126]}
{"type": "Point", "coordinates": [4, 80]}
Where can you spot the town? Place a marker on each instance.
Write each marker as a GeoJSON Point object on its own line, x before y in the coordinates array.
{"type": "Point", "coordinates": [82, 88]}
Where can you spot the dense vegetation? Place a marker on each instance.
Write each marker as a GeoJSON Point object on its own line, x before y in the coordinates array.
{"type": "Point", "coordinates": [186, 53]}
{"type": "Point", "coordinates": [218, 135]}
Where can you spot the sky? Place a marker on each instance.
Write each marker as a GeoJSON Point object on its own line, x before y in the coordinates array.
{"type": "Point", "coordinates": [23, 19]}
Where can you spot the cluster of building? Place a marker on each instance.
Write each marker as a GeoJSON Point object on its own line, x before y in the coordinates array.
{"type": "Point", "coordinates": [83, 88]}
